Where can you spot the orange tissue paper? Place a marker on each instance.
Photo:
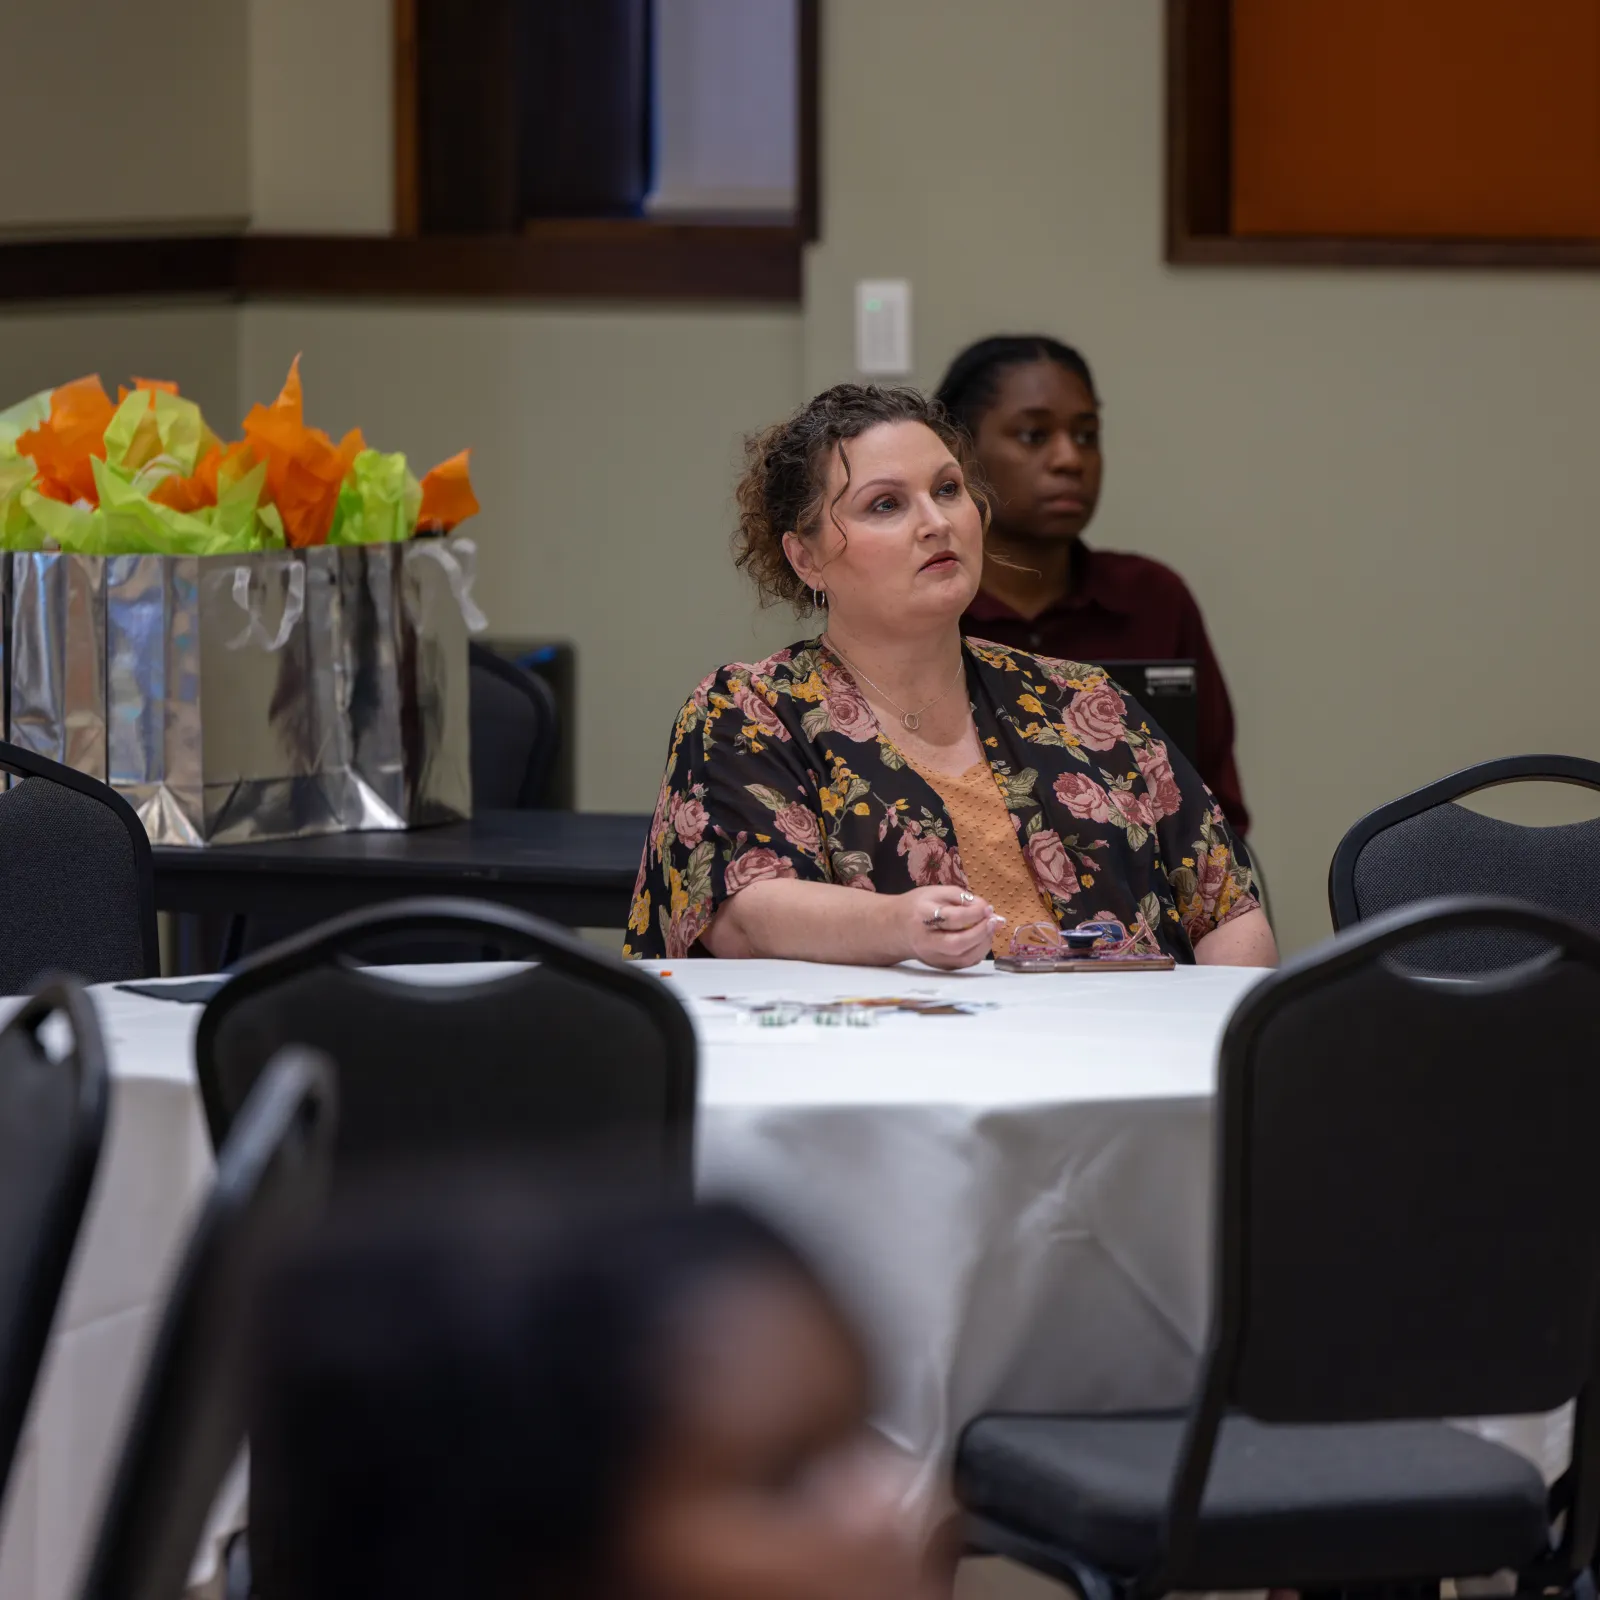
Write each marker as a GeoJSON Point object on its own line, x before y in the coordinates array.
{"type": "Point", "coordinates": [447, 497]}
{"type": "Point", "coordinates": [65, 443]}
{"type": "Point", "coordinates": [148, 384]}
{"type": "Point", "coordinates": [227, 463]}
{"type": "Point", "coordinates": [304, 467]}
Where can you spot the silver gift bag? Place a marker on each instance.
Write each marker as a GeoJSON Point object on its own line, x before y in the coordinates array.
{"type": "Point", "coordinates": [56, 612]}
{"type": "Point", "coordinates": [408, 609]}
{"type": "Point", "coordinates": [226, 722]}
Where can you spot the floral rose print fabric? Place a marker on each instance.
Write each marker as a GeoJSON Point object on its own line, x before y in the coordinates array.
{"type": "Point", "coordinates": [778, 769]}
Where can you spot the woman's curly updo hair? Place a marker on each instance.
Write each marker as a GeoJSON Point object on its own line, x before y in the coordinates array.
{"type": "Point", "coordinates": [786, 474]}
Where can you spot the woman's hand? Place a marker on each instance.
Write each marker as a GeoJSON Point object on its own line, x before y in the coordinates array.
{"type": "Point", "coordinates": [946, 927]}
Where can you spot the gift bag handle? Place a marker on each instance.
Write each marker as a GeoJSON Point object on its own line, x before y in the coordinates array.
{"type": "Point", "coordinates": [255, 630]}
{"type": "Point", "coordinates": [459, 560]}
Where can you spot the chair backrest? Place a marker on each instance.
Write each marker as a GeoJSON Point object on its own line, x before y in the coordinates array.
{"type": "Point", "coordinates": [579, 1053]}
{"type": "Point", "coordinates": [77, 890]}
{"type": "Point", "coordinates": [1407, 1226]}
{"type": "Point", "coordinates": [515, 732]}
{"type": "Point", "coordinates": [188, 1423]}
{"type": "Point", "coordinates": [1424, 845]}
{"type": "Point", "coordinates": [1405, 1222]}
{"type": "Point", "coordinates": [52, 1126]}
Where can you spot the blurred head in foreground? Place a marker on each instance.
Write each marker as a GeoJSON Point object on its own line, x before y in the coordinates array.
{"type": "Point", "coordinates": [493, 1401]}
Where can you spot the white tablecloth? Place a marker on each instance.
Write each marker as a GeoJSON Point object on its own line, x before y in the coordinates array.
{"type": "Point", "coordinates": [1015, 1201]}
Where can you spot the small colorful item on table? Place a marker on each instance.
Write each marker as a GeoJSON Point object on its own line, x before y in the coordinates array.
{"type": "Point", "coordinates": [857, 1011]}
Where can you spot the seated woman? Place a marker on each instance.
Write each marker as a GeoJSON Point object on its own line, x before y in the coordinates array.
{"type": "Point", "coordinates": [1030, 405]}
{"type": "Point", "coordinates": [890, 791]}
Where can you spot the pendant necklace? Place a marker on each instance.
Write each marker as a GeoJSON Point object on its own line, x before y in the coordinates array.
{"type": "Point", "coordinates": [911, 719]}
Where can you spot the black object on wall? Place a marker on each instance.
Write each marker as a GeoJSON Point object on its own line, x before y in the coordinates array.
{"type": "Point", "coordinates": [466, 116]}
{"type": "Point", "coordinates": [531, 109]}
{"type": "Point", "coordinates": [583, 107]}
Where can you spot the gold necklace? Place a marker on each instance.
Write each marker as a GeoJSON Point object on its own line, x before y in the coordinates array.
{"type": "Point", "coordinates": [912, 719]}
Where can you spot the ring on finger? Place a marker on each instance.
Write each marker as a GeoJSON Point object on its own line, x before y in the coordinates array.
{"type": "Point", "coordinates": [937, 918]}
{"type": "Point", "coordinates": [967, 897]}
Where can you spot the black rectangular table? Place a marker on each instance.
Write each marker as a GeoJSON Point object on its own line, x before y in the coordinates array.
{"type": "Point", "coordinates": [573, 867]}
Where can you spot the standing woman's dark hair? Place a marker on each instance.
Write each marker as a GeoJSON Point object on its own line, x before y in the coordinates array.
{"type": "Point", "coordinates": [466, 1393]}
{"type": "Point", "coordinates": [971, 384]}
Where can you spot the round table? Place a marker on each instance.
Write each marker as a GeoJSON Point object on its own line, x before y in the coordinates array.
{"type": "Point", "coordinates": [1014, 1197]}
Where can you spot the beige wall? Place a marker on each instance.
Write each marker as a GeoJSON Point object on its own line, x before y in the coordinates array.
{"type": "Point", "coordinates": [321, 127]}
{"type": "Point", "coordinates": [1379, 484]}
{"type": "Point", "coordinates": [121, 117]}
{"type": "Point", "coordinates": [604, 450]}
{"type": "Point", "coordinates": [198, 115]}
{"type": "Point", "coordinates": [194, 345]}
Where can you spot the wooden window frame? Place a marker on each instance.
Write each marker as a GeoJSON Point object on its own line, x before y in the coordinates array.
{"type": "Point", "coordinates": [1199, 160]}
{"type": "Point", "coordinates": [632, 259]}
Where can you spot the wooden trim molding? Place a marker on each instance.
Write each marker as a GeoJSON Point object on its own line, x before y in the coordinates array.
{"type": "Point", "coordinates": [1199, 121]}
{"type": "Point", "coordinates": [601, 260]}
{"type": "Point", "coordinates": [1546, 254]}
{"type": "Point", "coordinates": [1199, 96]}
{"type": "Point", "coordinates": [66, 269]}
{"type": "Point", "coordinates": [407, 171]}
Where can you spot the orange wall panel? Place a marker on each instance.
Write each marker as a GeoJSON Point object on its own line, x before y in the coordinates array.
{"type": "Point", "coordinates": [1417, 118]}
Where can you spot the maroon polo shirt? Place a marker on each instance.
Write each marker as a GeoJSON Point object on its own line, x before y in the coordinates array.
{"type": "Point", "coordinates": [1129, 608]}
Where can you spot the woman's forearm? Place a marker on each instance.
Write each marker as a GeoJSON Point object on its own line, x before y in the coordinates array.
{"type": "Point", "coordinates": [809, 922]}
{"type": "Point", "coordinates": [1245, 941]}
{"type": "Point", "coordinates": [940, 924]}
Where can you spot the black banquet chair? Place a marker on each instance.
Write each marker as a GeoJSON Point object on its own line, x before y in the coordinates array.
{"type": "Point", "coordinates": [188, 1423]}
{"type": "Point", "coordinates": [1426, 844]}
{"type": "Point", "coordinates": [53, 1104]}
{"type": "Point", "coordinates": [77, 890]}
{"type": "Point", "coordinates": [515, 732]}
{"type": "Point", "coordinates": [580, 1051]}
{"type": "Point", "coordinates": [1405, 1230]}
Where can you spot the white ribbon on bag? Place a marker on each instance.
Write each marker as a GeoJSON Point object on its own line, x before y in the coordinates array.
{"type": "Point", "coordinates": [459, 560]}
{"type": "Point", "coordinates": [255, 630]}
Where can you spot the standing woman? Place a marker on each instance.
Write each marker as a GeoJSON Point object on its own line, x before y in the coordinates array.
{"type": "Point", "coordinates": [1030, 404]}
{"type": "Point", "coordinates": [888, 790]}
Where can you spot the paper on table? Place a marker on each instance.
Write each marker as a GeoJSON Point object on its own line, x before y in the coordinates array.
{"type": "Point", "coordinates": [23, 417]}
{"type": "Point", "coordinates": [156, 432]}
{"type": "Point", "coordinates": [378, 503]}
{"type": "Point", "coordinates": [63, 445]}
{"type": "Point", "coordinates": [910, 1005]}
{"type": "Point", "coordinates": [220, 468]}
{"type": "Point", "coordinates": [18, 530]}
{"type": "Point", "coordinates": [305, 469]}
{"type": "Point", "coordinates": [447, 497]}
